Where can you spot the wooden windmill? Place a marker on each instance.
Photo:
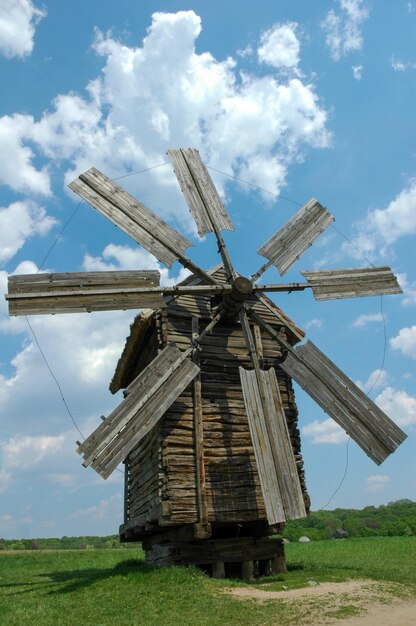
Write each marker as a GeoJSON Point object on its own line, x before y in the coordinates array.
{"type": "Point", "coordinates": [212, 463]}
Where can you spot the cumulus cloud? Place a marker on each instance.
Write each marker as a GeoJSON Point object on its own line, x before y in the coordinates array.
{"type": "Point", "coordinates": [326, 431]}
{"type": "Point", "coordinates": [363, 320]}
{"type": "Point", "coordinates": [279, 46]}
{"type": "Point", "coordinates": [383, 227]}
{"type": "Point", "coordinates": [399, 65]}
{"type": "Point", "coordinates": [398, 405]}
{"type": "Point", "coordinates": [107, 509]}
{"type": "Point", "coordinates": [18, 21]}
{"type": "Point", "coordinates": [343, 28]}
{"type": "Point", "coordinates": [376, 379]}
{"type": "Point", "coordinates": [377, 482]}
{"type": "Point", "coordinates": [18, 171]}
{"type": "Point", "coordinates": [247, 125]}
{"type": "Point", "coordinates": [405, 341]}
{"type": "Point", "coordinates": [25, 452]}
{"type": "Point", "coordinates": [18, 222]}
{"type": "Point", "coordinates": [314, 323]}
{"type": "Point", "coordinates": [357, 71]}
{"type": "Point", "coordinates": [116, 257]}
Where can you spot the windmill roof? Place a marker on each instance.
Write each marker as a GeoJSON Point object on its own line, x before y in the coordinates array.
{"type": "Point", "coordinates": [142, 326]}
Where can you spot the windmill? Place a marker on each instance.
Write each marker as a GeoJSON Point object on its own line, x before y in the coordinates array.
{"type": "Point", "coordinates": [233, 298]}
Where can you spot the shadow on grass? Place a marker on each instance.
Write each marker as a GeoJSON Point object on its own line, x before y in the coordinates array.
{"type": "Point", "coordinates": [72, 580]}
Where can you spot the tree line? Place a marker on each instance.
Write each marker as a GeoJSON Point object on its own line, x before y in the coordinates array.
{"type": "Point", "coordinates": [395, 519]}
{"type": "Point", "coordinates": [391, 520]}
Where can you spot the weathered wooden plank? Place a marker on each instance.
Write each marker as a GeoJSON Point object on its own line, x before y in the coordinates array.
{"type": "Point", "coordinates": [352, 282]}
{"type": "Point", "coordinates": [298, 234]}
{"type": "Point", "coordinates": [271, 442]}
{"type": "Point", "coordinates": [25, 283]}
{"type": "Point", "coordinates": [154, 382]}
{"type": "Point", "coordinates": [145, 419]}
{"type": "Point", "coordinates": [363, 420]}
{"type": "Point", "coordinates": [132, 216]}
{"type": "Point", "coordinates": [81, 292]}
{"type": "Point", "coordinates": [199, 190]}
{"type": "Point", "coordinates": [137, 394]}
{"type": "Point", "coordinates": [198, 435]}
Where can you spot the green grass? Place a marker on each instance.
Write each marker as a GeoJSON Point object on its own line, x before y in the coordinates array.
{"type": "Point", "coordinates": [104, 587]}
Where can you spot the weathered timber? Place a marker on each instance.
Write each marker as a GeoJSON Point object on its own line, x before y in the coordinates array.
{"type": "Point", "coordinates": [291, 241]}
{"type": "Point", "coordinates": [164, 465]}
{"type": "Point", "coordinates": [199, 433]}
{"type": "Point", "coordinates": [352, 282]}
{"type": "Point", "coordinates": [271, 441]}
{"type": "Point", "coordinates": [199, 190]}
{"type": "Point", "coordinates": [148, 397]}
{"type": "Point", "coordinates": [75, 292]}
{"type": "Point", "coordinates": [130, 215]}
{"type": "Point", "coordinates": [364, 421]}
{"type": "Point", "coordinates": [216, 552]}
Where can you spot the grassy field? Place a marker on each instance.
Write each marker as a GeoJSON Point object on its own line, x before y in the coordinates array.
{"type": "Point", "coordinates": [104, 587]}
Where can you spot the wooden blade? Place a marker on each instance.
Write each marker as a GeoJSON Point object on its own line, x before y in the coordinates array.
{"type": "Point", "coordinates": [80, 292]}
{"type": "Point", "coordinates": [160, 239]}
{"type": "Point", "coordinates": [352, 283]}
{"type": "Point", "coordinates": [199, 190]}
{"type": "Point", "coordinates": [291, 241]}
{"type": "Point", "coordinates": [276, 463]}
{"type": "Point", "coordinates": [365, 422]}
{"type": "Point", "coordinates": [149, 396]}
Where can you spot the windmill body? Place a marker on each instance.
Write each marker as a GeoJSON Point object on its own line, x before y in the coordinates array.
{"type": "Point", "coordinates": [197, 468]}
{"type": "Point", "coordinates": [208, 427]}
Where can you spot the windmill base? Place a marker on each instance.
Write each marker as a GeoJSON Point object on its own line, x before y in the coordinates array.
{"type": "Point", "coordinates": [238, 557]}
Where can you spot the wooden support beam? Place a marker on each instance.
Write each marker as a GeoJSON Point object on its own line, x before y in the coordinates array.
{"type": "Point", "coordinates": [199, 434]}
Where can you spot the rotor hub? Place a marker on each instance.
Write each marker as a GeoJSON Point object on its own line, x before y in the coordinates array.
{"type": "Point", "coordinates": [241, 290]}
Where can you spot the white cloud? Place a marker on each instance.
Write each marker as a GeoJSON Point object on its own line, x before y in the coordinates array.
{"type": "Point", "coordinates": [124, 257]}
{"type": "Point", "coordinates": [108, 509]}
{"type": "Point", "coordinates": [18, 222]}
{"type": "Point", "coordinates": [377, 482]}
{"type": "Point", "coordinates": [18, 19]}
{"type": "Point", "coordinates": [17, 170]}
{"type": "Point", "coordinates": [405, 341]}
{"type": "Point", "coordinates": [363, 320]}
{"type": "Point", "coordinates": [314, 323]}
{"type": "Point", "coordinates": [357, 71]}
{"type": "Point", "coordinates": [326, 431]}
{"type": "Point", "coordinates": [376, 379]}
{"type": "Point", "coordinates": [383, 227]}
{"type": "Point", "coordinates": [279, 46]}
{"type": "Point", "coordinates": [409, 297]}
{"type": "Point", "coordinates": [399, 65]}
{"type": "Point", "coordinates": [253, 127]}
{"type": "Point", "coordinates": [24, 452]}
{"type": "Point", "coordinates": [82, 351]}
{"type": "Point", "coordinates": [5, 480]}
{"type": "Point", "coordinates": [343, 29]}
{"type": "Point", "coordinates": [398, 405]}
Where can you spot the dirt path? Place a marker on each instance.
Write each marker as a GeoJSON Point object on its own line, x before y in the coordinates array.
{"type": "Point", "coordinates": [353, 603]}
{"type": "Point", "coordinates": [403, 614]}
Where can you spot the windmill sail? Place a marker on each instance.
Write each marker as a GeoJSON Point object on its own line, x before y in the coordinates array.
{"type": "Point", "coordinates": [291, 241]}
{"type": "Point", "coordinates": [79, 292]}
{"type": "Point", "coordinates": [149, 396]}
{"type": "Point", "coordinates": [352, 283]}
{"type": "Point", "coordinates": [160, 239]}
{"type": "Point", "coordinates": [338, 396]}
{"type": "Point", "coordinates": [279, 479]}
{"type": "Point", "coordinates": [199, 190]}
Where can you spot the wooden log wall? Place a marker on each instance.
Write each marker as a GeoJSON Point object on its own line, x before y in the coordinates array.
{"type": "Point", "coordinates": [163, 468]}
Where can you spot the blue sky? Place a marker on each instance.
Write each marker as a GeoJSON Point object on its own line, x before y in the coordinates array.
{"type": "Point", "coordinates": [299, 99]}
